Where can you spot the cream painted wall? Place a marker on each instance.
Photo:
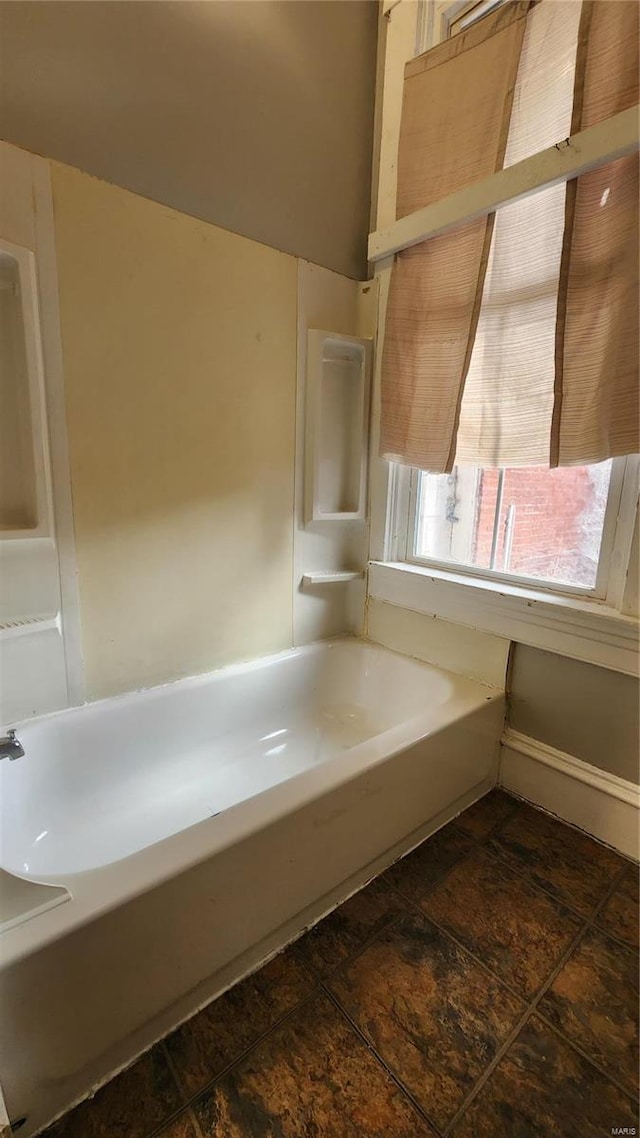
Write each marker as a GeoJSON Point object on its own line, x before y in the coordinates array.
{"type": "Point", "coordinates": [256, 115]}
{"type": "Point", "coordinates": [179, 344]}
{"type": "Point", "coordinates": [588, 712]}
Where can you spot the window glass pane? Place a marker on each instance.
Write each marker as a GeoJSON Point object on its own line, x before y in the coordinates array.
{"type": "Point", "coordinates": [528, 521]}
{"type": "Point", "coordinates": [472, 12]}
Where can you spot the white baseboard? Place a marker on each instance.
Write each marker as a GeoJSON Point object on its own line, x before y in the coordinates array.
{"type": "Point", "coordinates": [604, 805]}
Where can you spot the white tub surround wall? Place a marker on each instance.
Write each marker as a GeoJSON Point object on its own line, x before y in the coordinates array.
{"type": "Point", "coordinates": [180, 409]}
{"type": "Point", "coordinates": [327, 601]}
{"type": "Point", "coordinates": [40, 650]}
{"type": "Point", "coordinates": [477, 655]}
{"type": "Point", "coordinates": [347, 755]}
{"type": "Point", "coordinates": [180, 386]}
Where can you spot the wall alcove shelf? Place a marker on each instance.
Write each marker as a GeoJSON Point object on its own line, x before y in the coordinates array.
{"type": "Point", "coordinates": [312, 580]}
{"type": "Point", "coordinates": [337, 424]}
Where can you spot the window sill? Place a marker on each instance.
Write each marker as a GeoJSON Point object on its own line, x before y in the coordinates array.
{"type": "Point", "coordinates": [582, 629]}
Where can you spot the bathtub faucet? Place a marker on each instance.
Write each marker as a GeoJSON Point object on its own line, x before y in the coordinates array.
{"type": "Point", "coordinates": [10, 747]}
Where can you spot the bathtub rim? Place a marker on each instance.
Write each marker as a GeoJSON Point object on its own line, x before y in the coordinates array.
{"type": "Point", "coordinates": [239, 668]}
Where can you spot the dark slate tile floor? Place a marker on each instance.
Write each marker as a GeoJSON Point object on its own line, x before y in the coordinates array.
{"type": "Point", "coordinates": [486, 986]}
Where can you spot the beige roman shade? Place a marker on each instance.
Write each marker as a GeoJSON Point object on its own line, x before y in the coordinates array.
{"type": "Point", "coordinates": [512, 341]}
{"type": "Point", "coordinates": [597, 410]}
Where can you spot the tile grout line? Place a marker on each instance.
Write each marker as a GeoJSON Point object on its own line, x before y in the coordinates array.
{"type": "Point", "coordinates": [502, 1051]}
{"type": "Point", "coordinates": [522, 875]}
{"type": "Point", "coordinates": [172, 1068]}
{"type": "Point", "coordinates": [318, 988]}
{"type": "Point", "coordinates": [585, 1054]}
{"type": "Point", "coordinates": [616, 939]}
{"type": "Point", "coordinates": [193, 1118]}
{"type": "Point", "coordinates": [348, 960]}
{"type": "Point", "coordinates": [323, 977]}
{"type": "Point", "coordinates": [586, 925]}
{"type": "Point", "coordinates": [417, 911]}
{"type": "Point", "coordinates": [453, 823]}
{"type": "Point", "coordinates": [159, 1130]}
{"type": "Point", "coordinates": [543, 889]}
{"type": "Point", "coordinates": [208, 1087]}
{"type": "Point", "coordinates": [405, 1092]}
{"type": "Point", "coordinates": [495, 832]}
{"type": "Point", "coordinates": [169, 1121]}
{"type": "Point", "coordinates": [410, 908]}
{"type": "Point", "coordinates": [415, 907]}
{"type": "Point", "coordinates": [620, 873]}
{"type": "Point", "coordinates": [585, 921]}
{"type": "Point", "coordinates": [628, 860]}
{"type": "Point", "coordinates": [480, 844]}
{"type": "Point", "coordinates": [186, 1108]}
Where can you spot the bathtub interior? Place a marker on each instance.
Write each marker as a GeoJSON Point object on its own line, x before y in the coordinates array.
{"type": "Point", "coordinates": [101, 782]}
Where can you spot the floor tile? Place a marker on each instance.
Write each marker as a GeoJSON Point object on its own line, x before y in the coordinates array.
{"type": "Point", "coordinates": [182, 1127]}
{"type": "Point", "coordinates": [431, 1012]}
{"type": "Point", "coordinates": [572, 866]}
{"type": "Point", "coordinates": [594, 1001]}
{"type": "Point", "coordinates": [542, 1088]}
{"type": "Point", "coordinates": [203, 1046]}
{"type": "Point", "coordinates": [487, 813]}
{"type": "Point", "coordinates": [418, 872]}
{"type": "Point", "coordinates": [621, 915]}
{"type": "Point", "coordinates": [312, 1077]}
{"type": "Point", "coordinates": [134, 1103]}
{"type": "Point", "coordinates": [344, 931]}
{"type": "Point", "coordinates": [276, 1058]}
{"type": "Point", "coordinates": [515, 929]}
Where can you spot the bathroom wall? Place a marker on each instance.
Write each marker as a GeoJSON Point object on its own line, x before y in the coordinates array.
{"type": "Point", "coordinates": [179, 345]}
{"type": "Point", "coordinates": [257, 116]}
{"type": "Point", "coordinates": [588, 712]}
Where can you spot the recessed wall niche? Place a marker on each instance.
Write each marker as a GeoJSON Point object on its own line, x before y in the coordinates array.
{"type": "Point", "coordinates": [23, 493]}
{"type": "Point", "coordinates": [338, 379]}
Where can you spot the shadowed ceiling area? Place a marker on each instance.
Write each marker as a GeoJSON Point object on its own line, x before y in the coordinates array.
{"type": "Point", "coordinates": [256, 115]}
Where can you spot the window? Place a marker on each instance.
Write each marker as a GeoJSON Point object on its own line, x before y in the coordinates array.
{"type": "Point", "coordinates": [548, 527]}
{"type": "Point", "coordinates": [512, 550]}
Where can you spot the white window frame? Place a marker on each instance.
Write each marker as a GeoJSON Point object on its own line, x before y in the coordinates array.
{"type": "Point", "coordinates": [591, 625]}
{"type": "Point", "coordinates": [617, 533]}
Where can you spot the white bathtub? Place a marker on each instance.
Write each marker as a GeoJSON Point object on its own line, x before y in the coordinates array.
{"type": "Point", "coordinates": [191, 830]}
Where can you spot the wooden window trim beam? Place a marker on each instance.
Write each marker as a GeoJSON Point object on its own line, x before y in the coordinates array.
{"type": "Point", "coordinates": [605, 142]}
